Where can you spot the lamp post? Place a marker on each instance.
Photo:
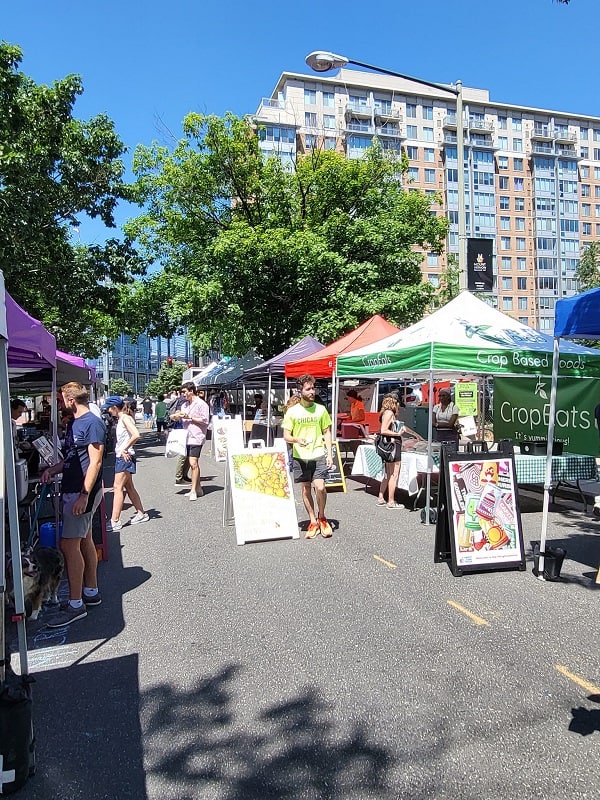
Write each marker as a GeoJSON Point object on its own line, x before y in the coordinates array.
{"type": "Point", "coordinates": [323, 61]}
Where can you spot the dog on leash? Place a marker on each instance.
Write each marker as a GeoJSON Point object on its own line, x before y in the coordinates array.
{"type": "Point", "coordinates": [42, 571]}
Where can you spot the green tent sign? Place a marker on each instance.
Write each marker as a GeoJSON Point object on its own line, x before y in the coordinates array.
{"type": "Point", "coordinates": [522, 411]}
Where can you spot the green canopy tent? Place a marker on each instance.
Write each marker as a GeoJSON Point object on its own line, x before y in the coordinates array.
{"type": "Point", "coordinates": [466, 336]}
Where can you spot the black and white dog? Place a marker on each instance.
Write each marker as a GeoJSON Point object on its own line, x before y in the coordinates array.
{"type": "Point", "coordinates": [42, 571]}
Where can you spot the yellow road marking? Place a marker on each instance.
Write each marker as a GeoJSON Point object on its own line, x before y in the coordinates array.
{"type": "Point", "coordinates": [589, 687]}
{"type": "Point", "coordinates": [473, 617]}
{"type": "Point", "coordinates": [387, 563]}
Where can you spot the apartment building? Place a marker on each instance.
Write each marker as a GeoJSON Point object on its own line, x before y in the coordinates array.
{"type": "Point", "coordinates": [532, 176]}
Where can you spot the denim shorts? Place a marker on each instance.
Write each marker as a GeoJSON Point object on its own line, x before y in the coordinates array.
{"type": "Point", "coordinates": [125, 466]}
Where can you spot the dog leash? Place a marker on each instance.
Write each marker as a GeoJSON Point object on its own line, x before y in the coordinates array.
{"type": "Point", "coordinates": [38, 508]}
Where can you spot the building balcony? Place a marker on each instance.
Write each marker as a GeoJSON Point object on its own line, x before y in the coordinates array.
{"type": "Point", "coordinates": [482, 141]}
{"type": "Point", "coordinates": [450, 121]}
{"type": "Point", "coordinates": [542, 132]}
{"type": "Point", "coordinates": [360, 127]}
{"type": "Point", "coordinates": [476, 124]}
{"type": "Point", "coordinates": [359, 110]}
{"type": "Point", "coordinates": [273, 111]}
{"type": "Point", "coordinates": [568, 152]}
{"type": "Point", "coordinates": [562, 135]}
{"type": "Point", "coordinates": [450, 138]}
{"type": "Point", "coordinates": [390, 131]}
{"type": "Point", "coordinates": [391, 114]}
{"type": "Point", "coordinates": [542, 148]}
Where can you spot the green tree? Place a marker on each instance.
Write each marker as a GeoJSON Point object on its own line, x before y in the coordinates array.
{"type": "Point", "coordinates": [255, 255]}
{"type": "Point", "coordinates": [120, 387]}
{"type": "Point", "coordinates": [53, 170]}
{"type": "Point", "coordinates": [588, 270]}
{"type": "Point", "coordinates": [169, 378]}
{"type": "Point", "coordinates": [449, 287]}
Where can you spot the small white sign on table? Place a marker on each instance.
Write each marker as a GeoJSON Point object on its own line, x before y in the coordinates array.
{"type": "Point", "coordinates": [261, 494]}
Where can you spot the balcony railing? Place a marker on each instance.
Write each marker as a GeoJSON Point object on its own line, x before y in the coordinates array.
{"type": "Point", "coordinates": [388, 113]}
{"type": "Point", "coordinates": [394, 132]}
{"type": "Point", "coordinates": [360, 127]}
{"type": "Point", "coordinates": [542, 132]}
{"type": "Point", "coordinates": [563, 135]}
{"type": "Point", "coordinates": [477, 124]}
{"type": "Point", "coordinates": [359, 109]}
{"type": "Point", "coordinates": [482, 141]}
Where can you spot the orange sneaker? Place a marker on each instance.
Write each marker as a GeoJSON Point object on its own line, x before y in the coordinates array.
{"type": "Point", "coordinates": [326, 529]}
{"type": "Point", "coordinates": [313, 530]}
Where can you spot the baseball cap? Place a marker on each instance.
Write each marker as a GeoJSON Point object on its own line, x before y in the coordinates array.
{"type": "Point", "coordinates": [112, 400]}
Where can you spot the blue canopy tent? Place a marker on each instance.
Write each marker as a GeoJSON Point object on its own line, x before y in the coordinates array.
{"type": "Point", "coordinates": [575, 317]}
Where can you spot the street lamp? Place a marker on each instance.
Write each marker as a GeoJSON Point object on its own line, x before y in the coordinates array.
{"type": "Point", "coordinates": [323, 61]}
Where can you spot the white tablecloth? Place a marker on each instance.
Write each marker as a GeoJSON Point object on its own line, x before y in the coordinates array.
{"type": "Point", "coordinates": [367, 462]}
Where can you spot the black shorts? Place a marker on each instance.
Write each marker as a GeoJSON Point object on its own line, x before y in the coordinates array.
{"type": "Point", "coordinates": [308, 471]}
{"type": "Point", "coordinates": [193, 450]}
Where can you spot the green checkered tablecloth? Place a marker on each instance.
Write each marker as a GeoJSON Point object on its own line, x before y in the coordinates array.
{"type": "Point", "coordinates": [570, 467]}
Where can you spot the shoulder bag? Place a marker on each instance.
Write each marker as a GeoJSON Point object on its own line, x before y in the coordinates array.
{"type": "Point", "coordinates": [385, 447]}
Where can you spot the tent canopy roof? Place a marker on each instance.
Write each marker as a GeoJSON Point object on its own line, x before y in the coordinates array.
{"type": "Point", "coordinates": [322, 363]}
{"type": "Point", "coordinates": [29, 342]}
{"type": "Point", "coordinates": [276, 366]}
{"type": "Point", "coordinates": [578, 317]}
{"type": "Point", "coordinates": [467, 335]}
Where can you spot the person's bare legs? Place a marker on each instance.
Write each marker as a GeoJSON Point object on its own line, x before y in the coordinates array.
{"type": "Point", "coordinates": [321, 493]}
{"type": "Point", "coordinates": [74, 565]}
{"type": "Point", "coordinates": [384, 483]}
{"type": "Point", "coordinates": [90, 560]}
{"type": "Point", "coordinates": [307, 499]}
{"type": "Point", "coordinates": [393, 481]}
{"type": "Point", "coordinates": [118, 485]}
{"type": "Point", "coordinates": [195, 474]}
{"type": "Point", "coordinates": [132, 493]}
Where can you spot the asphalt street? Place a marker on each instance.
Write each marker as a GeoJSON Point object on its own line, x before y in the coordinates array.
{"type": "Point", "coordinates": [348, 668]}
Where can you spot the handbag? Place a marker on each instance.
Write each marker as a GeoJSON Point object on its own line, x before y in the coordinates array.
{"type": "Point", "coordinates": [385, 448]}
{"type": "Point", "coordinates": [176, 443]}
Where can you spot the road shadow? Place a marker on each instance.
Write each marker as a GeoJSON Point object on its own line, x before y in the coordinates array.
{"type": "Point", "coordinates": [585, 720]}
{"type": "Point", "coordinates": [293, 749]}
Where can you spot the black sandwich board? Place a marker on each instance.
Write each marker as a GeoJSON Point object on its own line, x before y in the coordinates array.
{"type": "Point", "coordinates": [336, 477]}
{"type": "Point", "coordinates": [478, 521]}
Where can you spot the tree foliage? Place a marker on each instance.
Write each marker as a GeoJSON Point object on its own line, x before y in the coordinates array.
{"type": "Point", "coordinates": [588, 269]}
{"type": "Point", "coordinates": [120, 387]}
{"type": "Point", "coordinates": [54, 169]}
{"type": "Point", "coordinates": [169, 378]}
{"type": "Point", "coordinates": [255, 255]}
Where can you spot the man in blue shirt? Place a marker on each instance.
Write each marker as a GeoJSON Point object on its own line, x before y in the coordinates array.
{"type": "Point", "coordinates": [81, 495]}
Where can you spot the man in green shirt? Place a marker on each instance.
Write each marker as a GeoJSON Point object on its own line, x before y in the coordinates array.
{"type": "Point", "coordinates": [307, 427]}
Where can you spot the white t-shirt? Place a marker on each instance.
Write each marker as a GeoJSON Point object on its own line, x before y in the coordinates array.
{"type": "Point", "coordinates": [445, 415]}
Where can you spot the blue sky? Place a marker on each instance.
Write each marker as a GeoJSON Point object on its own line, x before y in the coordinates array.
{"type": "Point", "coordinates": [147, 65]}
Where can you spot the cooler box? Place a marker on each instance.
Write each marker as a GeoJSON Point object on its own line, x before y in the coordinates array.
{"type": "Point", "coordinates": [539, 447]}
{"type": "Point", "coordinates": [22, 476]}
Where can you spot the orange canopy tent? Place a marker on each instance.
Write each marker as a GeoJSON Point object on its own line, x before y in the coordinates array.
{"type": "Point", "coordinates": [322, 364]}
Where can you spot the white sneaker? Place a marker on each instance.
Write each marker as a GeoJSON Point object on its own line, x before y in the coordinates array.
{"type": "Point", "coordinates": [138, 517]}
{"type": "Point", "coordinates": [113, 526]}
{"type": "Point", "coordinates": [191, 496]}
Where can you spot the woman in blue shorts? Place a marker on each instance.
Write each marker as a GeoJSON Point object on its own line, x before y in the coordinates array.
{"type": "Point", "coordinates": [127, 435]}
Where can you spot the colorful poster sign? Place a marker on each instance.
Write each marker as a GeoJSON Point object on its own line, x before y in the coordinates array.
{"type": "Point", "coordinates": [480, 272]}
{"type": "Point", "coordinates": [480, 507]}
{"type": "Point", "coordinates": [262, 495]}
{"type": "Point", "coordinates": [466, 396]}
{"type": "Point", "coordinates": [522, 411]}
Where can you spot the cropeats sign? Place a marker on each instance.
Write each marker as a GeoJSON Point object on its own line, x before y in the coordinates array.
{"type": "Point", "coordinates": [522, 411]}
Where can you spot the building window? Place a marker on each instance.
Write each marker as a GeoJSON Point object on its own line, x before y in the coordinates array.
{"type": "Point", "coordinates": [504, 203]}
{"type": "Point", "coordinates": [520, 223]}
{"type": "Point", "coordinates": [585, 190]}
{"type": "Point", "coordinates": [429, 176]}
{"type": "Point", "coordinates": [505, 223]}
{"type": "Point", "coordinates": [586, 209]}
{"type": "Point", "coordinates": [586, 228]}
{"type": "Point", "coordinates": [429, 154]}
{"type": "Point", "coordinates": [516, 124]}
{"type": "Point", "coordinates": [310, 119]}
{"type": "Point", "coordinates": [413, 174]}
{"type": "Point", "coordinates": [518, 164]}
{"type": "Point", "coordinates": [507, 304]}
{"type": "Point", "coordinates": [412, 152]}
{"type": "Point", "coordinates": [521, 264]}
{"type": "Point", "coordinates": [583, 132]}
{"type": "Point", "coordinates": [596, 135]}
{"type": "Point", "coordinates": [329, 121]}
{"type": "Point", "coordinates": [507, 284]}
{"type": "Point", "coordinates": [411, 132]}
{"type": "Point", "coordinates": [310, 97]}
{"type": "Point", "coordinates": [519, 204]}
{"type": "Point", "coordinates": [328, 99]}
{"type": "Point", "coordinates": [505, 242]}
{"type": "Point", "coordinates": [434, 280]}
{"type": "Point", "coordinates": [518, 145]}
{"type": "Point", "coordinates": [503, 182]}
{"type": "Point", "coordinates": [521, 243]}
{"type": "Point", "coordinates": [597, 211]}
{"type": "Point", "coordinates": [432, 259]}
{"type": "Point", "coordinates": [502, 162]}
{"type": "Point", "coordinates": [329, 143]}
{"type": "Point", "coordinates": [519, 184]}
{"type": "Point", "coordinates": [310, 141]}
{"type": "Point", "coordinates": [428, 134]}
{"type": "Point", "coordinates": [411, 110]}
{"type": "Point", "coordinates": [506, 263]}
{"type": "Point", "coordinates": [584, 152]}
{"type": "Point", "coordinates": [503, 123]}
{"type": "Point", "coordinates": [503, 143]}
{"type": "Point", "coordinates": [585, 171]}
{"type": "Point", "coordinates": [427, 112]}
{"type": "Point", "coordinates": [522, 284]}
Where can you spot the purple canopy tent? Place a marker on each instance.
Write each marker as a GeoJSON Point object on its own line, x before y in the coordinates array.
{"type": "Point", "coordinates": [275, 368]}
{"type": "Point", "coordinates": [30, 345]}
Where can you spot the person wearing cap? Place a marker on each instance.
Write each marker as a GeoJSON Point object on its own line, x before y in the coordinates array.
{"type": "Point", "coordinates": [445, 415]}
{"type": "Point", "coordinates": [125, 463]}
{"type": "Point", "coordinates": [81, 487]}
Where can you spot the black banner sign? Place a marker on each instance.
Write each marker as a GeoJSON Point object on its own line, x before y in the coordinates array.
{"type": "Point", "coordinates": [480, 274]}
